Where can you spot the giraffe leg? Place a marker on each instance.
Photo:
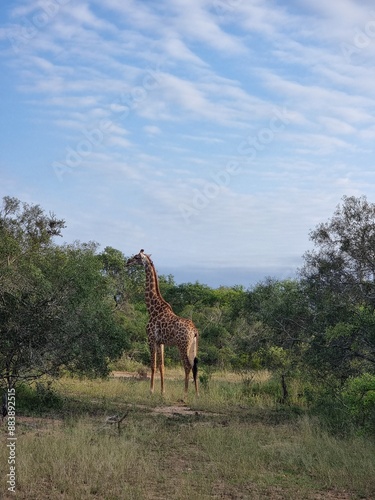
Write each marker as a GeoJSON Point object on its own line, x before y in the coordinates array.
{"type": "Point", "coordinates": [187, 373]}
{"type": "Point", "coordinates": [195, 375]}
{"type": "Point", "coordinates": [153, 368]}
{"type": "Point", "coordinates": [161, 365]}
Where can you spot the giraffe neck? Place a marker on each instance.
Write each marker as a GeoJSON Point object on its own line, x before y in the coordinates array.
{"type": "Point", "coordinates": [154, 300]}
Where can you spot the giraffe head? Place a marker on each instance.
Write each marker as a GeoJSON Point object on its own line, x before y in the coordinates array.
{"type": "Point", "coordinates": [137, 260]}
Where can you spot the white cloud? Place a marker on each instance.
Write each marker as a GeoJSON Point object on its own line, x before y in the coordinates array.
{"type": "Point", "coordinates": [335, 126]}
{"type": "Point", "coordinates": [152, 130]}
{"type": "Point", "coordinates": [183, 84]}
{"type": "Point", "coordinates": [83, 15]}
{"type": "Point", "coordinates": [197, 24]}
{"type": "Point", "coordinates": [177, 49]}
{"type": "Point", "coordinates": [118, 141]}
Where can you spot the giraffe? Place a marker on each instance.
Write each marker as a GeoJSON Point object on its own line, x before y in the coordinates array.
{"type": "Point", "coordinates": [166, 328]}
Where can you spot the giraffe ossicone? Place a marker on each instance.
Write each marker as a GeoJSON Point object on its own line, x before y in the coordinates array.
{"type": "Point", "coordinates": [166, 328]}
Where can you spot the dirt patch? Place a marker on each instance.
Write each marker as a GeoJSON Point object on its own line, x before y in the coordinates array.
{"type": "Point", "coordinates": [141, 375]}
{"type": "Point", "coordinates": [332, 495]}
{"type": "Point", "coordinates": [171, 411]}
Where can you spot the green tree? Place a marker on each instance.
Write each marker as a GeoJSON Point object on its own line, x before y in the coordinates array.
{"type": "Point", "coordinates": [279, 313]}
{"type": "Point", "coordinates": [339, 274]}
{"type": "Point", "coordinates": [54, 307]}
{"type": "Point", "coordinates": [188, 295]}
{"type": "Point", "coordinates": [126, 284]}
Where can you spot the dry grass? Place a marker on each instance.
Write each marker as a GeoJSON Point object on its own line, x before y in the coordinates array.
{"type": "Point", "coordinates": [223, 448]}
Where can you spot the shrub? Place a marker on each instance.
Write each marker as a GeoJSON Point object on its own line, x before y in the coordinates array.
{"type": "Point", "coordinates": [359, 397]}
{"type": "Point", "coordinates": [205, 377]}
{"type": "Point", "coordinates": [37, 398]}
{"type": "Point", "coordinates": [325, 402]}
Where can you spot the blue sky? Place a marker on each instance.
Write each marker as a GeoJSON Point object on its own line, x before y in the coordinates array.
{"type": "Point", "coordinates": [214, 134]}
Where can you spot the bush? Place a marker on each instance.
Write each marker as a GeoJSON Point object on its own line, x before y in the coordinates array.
{"type": "Point", "coordinates": [205, 377]}
{"type": "Point", "coordinates": [325, 402]}
{"type": "Point", "coordinates": [359, 397]}
{"type": "Point", "coordinates": [209, 355]}
{"type": "Point", "coordinates": [37, 398]}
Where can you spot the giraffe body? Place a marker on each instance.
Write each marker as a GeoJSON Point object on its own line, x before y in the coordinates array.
{"type": "Point", "coordinates": [166, 328]}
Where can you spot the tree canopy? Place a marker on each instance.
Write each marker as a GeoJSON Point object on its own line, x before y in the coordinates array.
{"type": "Point", "coordinates": [55, 311]}
{"type": "Point", "coordinates": [339, 276]}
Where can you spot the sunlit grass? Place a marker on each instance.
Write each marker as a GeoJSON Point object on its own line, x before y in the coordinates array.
{"type": "Point", "coordinates": [234, 444]}
{"type": "Point", "coordinates": [157, 457]}
{"type": "Point", "coordinates": [78, 461]}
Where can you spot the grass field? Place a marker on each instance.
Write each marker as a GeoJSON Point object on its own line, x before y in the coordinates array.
{"type": "Point", "coordinates": [227, 444]}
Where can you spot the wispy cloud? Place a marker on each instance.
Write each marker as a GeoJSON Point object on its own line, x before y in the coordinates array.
{"type": "Point", "coordinates": [131, 110]}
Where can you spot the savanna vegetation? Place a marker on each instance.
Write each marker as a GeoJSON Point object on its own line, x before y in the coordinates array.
{"type": "Point", "coordinates": [287, 371]}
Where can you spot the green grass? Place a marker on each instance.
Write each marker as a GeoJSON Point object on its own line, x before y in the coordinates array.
{"type": "Point", "coordinates": [230, 446]}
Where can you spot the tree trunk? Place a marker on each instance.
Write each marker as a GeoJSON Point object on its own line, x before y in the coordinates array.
{"type": "Point", "coordinates": [285, 395]}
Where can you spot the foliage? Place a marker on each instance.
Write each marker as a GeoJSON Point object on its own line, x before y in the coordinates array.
{"type": "Point", "coordinates": [325, 402]}
{"type": "Point", "coordinates": [126, 284]}
{"type": "Point", "coordinates": [54, 307]}
{"type": "Point", "coordinates": [282, 307]}
{"type": "Point", "coordinates": [278, 314]}
{"type": "Point", "coordinates": [192, 294]}
{"type": "Point", "coordinates": [344, 262]}
{"type": "Point", "coordinates": [359, 397]}
{"type": "Point", "coordinates": [339, 276]}
{"type": "Point", "coordinates": [205, 378]}
{"type": "Point", "coordinates": [38, 398]}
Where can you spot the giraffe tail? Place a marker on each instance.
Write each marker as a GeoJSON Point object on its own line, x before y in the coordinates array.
{"type": "Point", "coordinates": [195, 369]}
{"type": "Point", "coordinates": [195, 361]}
